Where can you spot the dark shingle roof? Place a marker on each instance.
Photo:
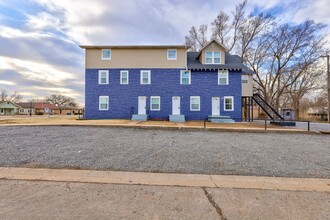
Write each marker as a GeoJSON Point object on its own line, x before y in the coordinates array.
{"type": "Point", "coordinates": [232, 62]}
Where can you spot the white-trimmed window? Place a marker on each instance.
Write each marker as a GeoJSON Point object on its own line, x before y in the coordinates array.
{"type": "Point", "coordinates": [103, 102]}
{"type": "Point", "coordinates": [228, 103]}
{"type": "Point", "coordinates": [103, 77]}
{"type": "Point", "coordinates": [154, 103]}
{"type": "Point", "coordinates": [106, 54]}
{"type": "Point", "coordinates": [195, 103]}
{"type": "Point", "coordinates": [124, 77]}
{"type": "Point", "coordinates": [223, 77]}
{"type": "Point", "coordinates": [145, 77]}
{"type": "Point", "coordinates": [171, 54]}
{"type": "Point", "coordinates": [245, 79]}
{"type": "Point", "coordinates": [212, 57]}
{"type": "Point", "coordinates": [185, 77]}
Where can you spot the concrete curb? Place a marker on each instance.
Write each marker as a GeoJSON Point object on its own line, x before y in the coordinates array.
{"type": "Point", "coordinates": [159, 127]}
{"type": "Point", "coordinates": [165, 179]}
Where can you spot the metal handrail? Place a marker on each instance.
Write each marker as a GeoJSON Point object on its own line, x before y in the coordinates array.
{"type": "Point", "coordinates": [274, 111]}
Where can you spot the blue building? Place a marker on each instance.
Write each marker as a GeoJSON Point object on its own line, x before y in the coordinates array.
{"type": "Point", "coordinates": [165, 82]}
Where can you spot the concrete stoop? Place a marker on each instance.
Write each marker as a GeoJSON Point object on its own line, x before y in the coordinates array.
{"type": "Point", "coordinates": [140, 117]}
{"type": "Point", "coordinates": [177, 118]}
{"type": "Point", "coordinates": [220, 119]}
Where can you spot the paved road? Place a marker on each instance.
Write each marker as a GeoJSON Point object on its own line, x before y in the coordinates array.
{"type": "Point", "coordinates": [257, 154]}
{"type": "Point", "coordinates": [58, 200]}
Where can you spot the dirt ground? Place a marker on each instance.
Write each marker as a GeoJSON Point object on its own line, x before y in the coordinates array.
{"type": "Point", "coordinates": [74, 120]}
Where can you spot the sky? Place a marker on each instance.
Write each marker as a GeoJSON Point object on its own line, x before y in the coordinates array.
{"type": "Point", "coordinates": [39, 39]}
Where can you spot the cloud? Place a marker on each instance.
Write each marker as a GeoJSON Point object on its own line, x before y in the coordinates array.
{"type": "Point", "coordinates": [39, 39]}
{"type": "Point", "coordinates": [5, 82]}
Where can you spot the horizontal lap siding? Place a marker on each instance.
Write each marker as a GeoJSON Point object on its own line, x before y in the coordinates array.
{"type": "Point", "coordinates": [164, 83]}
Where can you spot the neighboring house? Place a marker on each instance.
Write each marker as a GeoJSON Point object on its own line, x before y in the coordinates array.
{"type": "Point", "coordinates": [317, 113]}
{"type": "Point", "coordinates": [165, 82]}
{"type": "Point", "coordinates": [66, 110]}
{"type": "Point", "coordinates": [36, 108]}
{"type": "Point", "coordinates": [8, 108]}
{"type": "Point", "coordinates": [44, 108]}
{"type": "Point", "coordinates": [26, 107]}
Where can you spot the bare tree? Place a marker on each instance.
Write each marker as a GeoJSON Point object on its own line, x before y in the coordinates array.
{"type": "Point", "coordinates": [197, 38]}
{"type": "Point", "coordinates": [5, 96]}
{"type": "Point", "coordinates": [289, 52]}
{"type": "Point", "coordinates": [305, 83]}
{"type": "Point", "coordinates": [61, 100]}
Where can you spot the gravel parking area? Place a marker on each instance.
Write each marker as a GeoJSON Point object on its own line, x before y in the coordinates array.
{"type": "Point", "coordinates": [259, 154]}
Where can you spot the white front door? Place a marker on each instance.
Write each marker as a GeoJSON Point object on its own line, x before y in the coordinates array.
{"type": "Point", "coordinates": [176, 105]}
{"type": "Point", "coordinates": [142, 105]}
{"type": "Point", "coordinates": [215, 105]}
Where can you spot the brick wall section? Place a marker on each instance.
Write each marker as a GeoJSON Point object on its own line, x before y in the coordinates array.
{"type": "Point", "coordinates": [164, 83]}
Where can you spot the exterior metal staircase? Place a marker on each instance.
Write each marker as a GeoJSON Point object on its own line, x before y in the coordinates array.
{"type": "Point", "coordinates": [268, 109]}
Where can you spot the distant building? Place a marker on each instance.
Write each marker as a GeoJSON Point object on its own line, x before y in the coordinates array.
{"type": "Point", "coordinates": [8, 108]}
{"type": "Point", "coordinates": [318, 113]}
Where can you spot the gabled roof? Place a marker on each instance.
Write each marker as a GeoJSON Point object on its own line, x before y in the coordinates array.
{"type": "Point", "coordinates": [45, 105]}
{"type": "Point", "coordinates": [232, 63]}
{"type": "Point", "coordinates": [133, 46]}
{"type": "Point", "coordinates": [217, 42]}
{"type": "Point", "coordinates": [1, 102]}
{"type": "Point", "coordinates": [25, 104]}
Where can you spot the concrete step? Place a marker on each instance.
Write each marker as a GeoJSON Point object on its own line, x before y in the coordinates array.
{"type": "Point", "coordinates": [223, 120]}
{"type": "Point", "coordinates": [140, 117]}
{"type": "Point", "coordinates": [177, 118]}
{"type": "Point", "coordinates": [211, 117]}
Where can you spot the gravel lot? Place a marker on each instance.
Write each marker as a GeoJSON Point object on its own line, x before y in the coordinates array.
{"type": "Point", "coordinates": [260, 154]}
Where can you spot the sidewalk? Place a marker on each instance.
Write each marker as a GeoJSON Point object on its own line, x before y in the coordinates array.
{"type": "Point", "coordinates": [166, 179]}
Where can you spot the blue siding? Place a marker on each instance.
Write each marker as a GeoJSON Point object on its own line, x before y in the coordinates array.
{"type": "Point", "coordinates": [164, 83]}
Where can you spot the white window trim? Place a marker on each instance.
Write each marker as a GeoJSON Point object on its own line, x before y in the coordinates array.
{"type": "Point", "coordinates": [107, 78]}
{"type": "Point", "coordinates": [181, 77]}
{"type": "Point", "coordinates": [212, 57]}
{"type": "Point", "coordinates": [105, 58]}
{"type": "Point", "coordinates": [176, 54]}
{"type": "Point", "coordinates": [247, 79]}
{"type": "Point", "coordinates": [224, 103]}
{"type": "Point", "coordinates": [141, 77]}
{"type": "Point", "coordinates": [100, 97]}
{"type": "Point", "coordinates": [121, 77]}
{"type": "Point", "coordinates": [227, 77]}
{"type": "Point", "coordinates": [151, 97]}
{"type": "Point", "coordinates": [199, 104]}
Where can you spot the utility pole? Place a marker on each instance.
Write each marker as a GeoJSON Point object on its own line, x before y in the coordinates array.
{"type": "Point", "coordinates": [328, 74]}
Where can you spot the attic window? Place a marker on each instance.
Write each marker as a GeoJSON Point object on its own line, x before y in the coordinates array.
{"type": "Point", "coordinates": [212, 57]}
{"type": "Point", "coordinates": [171, 54]}
{"type": "Point", "coordinates": [106, 54]}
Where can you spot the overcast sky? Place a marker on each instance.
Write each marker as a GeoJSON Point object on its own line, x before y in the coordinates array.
{"type": "Point", "coordinates": [39, 52]}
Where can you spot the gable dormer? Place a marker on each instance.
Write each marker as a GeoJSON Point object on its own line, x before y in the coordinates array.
{"type": "Point", "coordinates": [212, 53]}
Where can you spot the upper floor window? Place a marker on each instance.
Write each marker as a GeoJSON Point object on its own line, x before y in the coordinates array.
{"type": "Point", "coordinates": [171, 54]}
{"type": "Point", "coordinates": [245, 79]}
{"type": "Point", "coordinates": [185, 77]}
{"type": "Point", "coordinates": [155, 103]}
{"type": "Point", "coordinates": [103, 102]}
{"type": "Point", "coordinates": [228, 103]}
{"type": "Point", "coordinates": [212, 57]}
{"type": "Point", "coordinates": [103, 77]}
{"type": "Point", "coordinates": [195, 103]}
{"type": "Point", "coordinates": [106, 54]}
{"type": "Point", "coordinates": [124, 77]}
{"type": "Point", "coordinates": [145, 77]}
{"type": "Point", "coordinates": [223, 77]}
